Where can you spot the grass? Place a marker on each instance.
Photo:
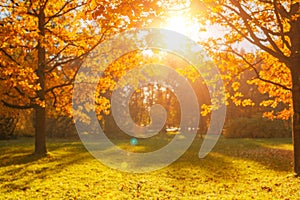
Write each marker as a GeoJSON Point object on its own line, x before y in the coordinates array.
{"type": "Point", "coordinates": [235, 169]}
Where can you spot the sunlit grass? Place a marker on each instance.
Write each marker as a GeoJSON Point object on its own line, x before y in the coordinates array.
{"type": "Point", "coordinates": [236, 169]}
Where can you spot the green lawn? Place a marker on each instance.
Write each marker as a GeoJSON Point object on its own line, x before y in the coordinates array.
{"type": "Point", "coordinates": [235, 169]}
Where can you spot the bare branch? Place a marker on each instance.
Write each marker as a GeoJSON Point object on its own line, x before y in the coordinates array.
{"type": "Point", "coordinates": [56, 14]}
{"type": "Point", "coordinates": [16, 106]}
{"type": "Point", "coordinates": [282, 34]}
{"type": "Point", "coordinates": [45, 4]}
{"type": "Point", "coordinates": [57, 54]}
{"type": "Point", "coordinates": [60, 13]}
{"type": "Point", "coordinates": [55, 98]}
{"type": "Point", "coordinates": [68, 83]}
{"type": "Point", "coordinates": [254, 39]}
{"type": "Point", "coordinates": [252, 66]}
{"type": "Point", "coordinates": [9, 56]}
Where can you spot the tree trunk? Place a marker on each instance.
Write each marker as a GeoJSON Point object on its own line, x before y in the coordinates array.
{"type": "Point", "coordinates": [40, 131]}
{"type": "Point", "coordinates": [296, 116]}
{"type": "Point", "coordinates": [295, 71]}
{"type": "Point", "coordinates": [40, 110]}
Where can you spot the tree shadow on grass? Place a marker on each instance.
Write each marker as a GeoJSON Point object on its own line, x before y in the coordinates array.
{"type": "Point", "coordinates": [21, 151]}
{"type": "Point", "coordinates": [220, 164]}
{"type": "Point", "coordinates": [18, 159]}
{"type": "Point", "coordinates": [244, 161]}
{"type": "Point", "coordinates": [19, 167]}
{"type": "Point", "coordinates": [275, 154]}
{"type": "Point", "coordinates": [209, 168]}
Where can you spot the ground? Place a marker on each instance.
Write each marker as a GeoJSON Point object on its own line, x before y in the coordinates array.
{"type": "Point", "coordinates": [235, 169]}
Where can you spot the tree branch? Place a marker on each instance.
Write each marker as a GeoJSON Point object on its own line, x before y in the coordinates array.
{"type": "Point", "coordinates": [16, 106]}
{"type": "Point", "coordinates": [254, 39]}
{"type": "Point", "coordinates": [68, 83]}
{"type": "Point", "coordinates": [60, 13]}
{"type": "Point", "coordinates": [252, 66]}
{"type": "Point", "coordinates": [57, 55]}
{"type": "Point", "coordinates": [276, 10]}
{"type": "Point", "coordinates": [9, 56]}
{"type": "Point", "coordinates": [55, 98]}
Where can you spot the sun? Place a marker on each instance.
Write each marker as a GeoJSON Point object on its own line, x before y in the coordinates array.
{"type": "Point", "coordinates": [183, 25]}
{"type": "Point", "coordinates": [176, 23]}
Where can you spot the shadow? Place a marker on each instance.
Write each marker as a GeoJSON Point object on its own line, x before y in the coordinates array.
{"type": "Point", "coordinates": [21, 151]}
{"type": "Point", "coordinates": [275, 154]}
{"type": "Point", "coordinates": [19, 166]}
{"type": "Point", "coordinates": [211, 168]}
{"type": "Point", "coordinates": [18, 159]}
{"type": "Point", "coordinates": [232, 161]}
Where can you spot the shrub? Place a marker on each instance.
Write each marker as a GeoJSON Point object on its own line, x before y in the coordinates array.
{"type": "Point", "coordinates": [7, 127]}
{"type": "Point", "coordinates": [257, 127]}
{"type": "Point", "coordinates": [61, 127]}
{"type": "Point", "coordinates": [25, 123]}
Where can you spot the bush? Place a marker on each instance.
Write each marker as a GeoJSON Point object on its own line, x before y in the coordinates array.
{"type": "Point", "coordinates": [25, 124]}
{"type": "Point", "coordinates": [257, 127]}
{"type": "Point", "coordinates": [61, 127]}
{"type": "Point", "coordinates": [7, 127]}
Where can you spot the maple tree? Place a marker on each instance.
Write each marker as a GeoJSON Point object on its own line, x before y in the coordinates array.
{"type": "Point", "coordinates": [44, 42]}
{"type": "Point", "coordinates": [157, 92]}
{"type": "Point", "coordinates": [272, 26]}
{"type": "Point", "coordinates": [142, 99]}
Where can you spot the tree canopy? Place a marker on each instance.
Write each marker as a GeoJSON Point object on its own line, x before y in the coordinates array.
{"type": "Point", "coordinates": [272, 27]}
{"type": "Point", "coordinates": [44, 42]}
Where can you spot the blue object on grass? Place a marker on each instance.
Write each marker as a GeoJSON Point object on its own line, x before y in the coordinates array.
{"type": "Point", "coordinates": [133, 141]}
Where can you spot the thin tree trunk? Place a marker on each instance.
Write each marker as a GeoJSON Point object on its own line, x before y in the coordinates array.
{"type": "Point", "coordinates": [40, 131]}
{"type": "Point", "coordinates": [295, 71]}
{"type": "Point", "coordinates": [296, 118]}
{"type": "Point", "coordinates": [40, 111]}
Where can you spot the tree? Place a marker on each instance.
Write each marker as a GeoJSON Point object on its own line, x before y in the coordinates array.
{"type": "Point", "coordinates": [273, 26]}
{"type": "Point", "coordinates": [145, 95]}
{"type": "Point", "coordinates": [44, 42]}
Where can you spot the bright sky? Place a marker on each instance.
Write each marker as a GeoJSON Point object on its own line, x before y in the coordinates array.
{"type": "Point", "coordinates": [182, 23]}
